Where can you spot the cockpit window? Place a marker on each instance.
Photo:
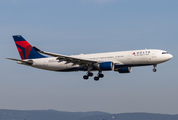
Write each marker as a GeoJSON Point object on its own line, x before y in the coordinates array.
{"type": "Point", "coordinates": [165, 53]}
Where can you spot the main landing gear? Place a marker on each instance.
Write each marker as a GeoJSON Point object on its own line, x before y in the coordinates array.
{"type": "Point", "coordinates": [100, 75]}
{"type": "Point", "coordinates": [89, 74]}
{"type": "Point", "coordinates": [96, 78]}
{"type": "Point", "coordinates": [154, 69]}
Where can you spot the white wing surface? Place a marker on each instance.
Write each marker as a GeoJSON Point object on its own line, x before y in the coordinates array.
{"type": "Point", "coordinates": [70, 59]}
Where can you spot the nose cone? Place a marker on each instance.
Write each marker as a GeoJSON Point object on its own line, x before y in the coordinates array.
{"type": "Point", "coordinates": [170, 56]}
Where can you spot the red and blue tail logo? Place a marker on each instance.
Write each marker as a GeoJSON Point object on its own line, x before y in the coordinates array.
{"type": "Point", "coordinates": [26, 51]}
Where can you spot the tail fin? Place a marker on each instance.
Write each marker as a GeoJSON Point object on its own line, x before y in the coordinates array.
{"type": "Point", "coordinates": [26, 51]}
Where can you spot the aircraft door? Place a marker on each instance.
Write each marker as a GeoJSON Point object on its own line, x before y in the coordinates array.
{"type": "Point", "coordinates": [130, 58]}
{"type": "Point", "coordinates": [152, 56]}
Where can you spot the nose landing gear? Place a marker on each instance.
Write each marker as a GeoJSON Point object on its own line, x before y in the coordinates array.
{"type": "Point", "coordinates": [154, 69]}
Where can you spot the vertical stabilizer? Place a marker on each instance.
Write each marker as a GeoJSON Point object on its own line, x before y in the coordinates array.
{"type": "Point", "coordinates": [26, 51]}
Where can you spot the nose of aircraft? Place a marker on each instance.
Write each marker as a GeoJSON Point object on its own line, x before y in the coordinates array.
{"type": "Point", "coordinates": [170, 56]}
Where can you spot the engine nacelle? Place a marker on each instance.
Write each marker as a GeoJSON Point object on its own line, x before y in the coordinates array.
{"type": "Point", "coordinates": [106, 66]}
{"type": "Point", "coordinates": [125, 70]}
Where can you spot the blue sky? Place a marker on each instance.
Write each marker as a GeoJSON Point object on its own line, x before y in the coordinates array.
{"type": "Point", "coordinates": [89, 26]}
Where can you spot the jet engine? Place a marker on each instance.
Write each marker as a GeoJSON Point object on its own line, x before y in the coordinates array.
{"type": "Point", "coordinates": [106, 66]}
{"type": "Point", "coordinates": [125, 70]}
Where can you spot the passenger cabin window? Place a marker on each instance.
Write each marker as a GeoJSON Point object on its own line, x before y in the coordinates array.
{"type": "Point", "coordinates": [164, 52]}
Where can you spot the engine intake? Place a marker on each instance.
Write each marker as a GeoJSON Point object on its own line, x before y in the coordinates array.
{"type": "Point", "coordinates": [106, 66]}
{"type": "Point", "coordinates": [125, 70]}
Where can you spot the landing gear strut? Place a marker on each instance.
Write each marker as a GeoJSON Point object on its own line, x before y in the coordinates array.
{"type": "Point", "coordinates": [89, 73]}
{"type": "Point", "coordinates": [154, 69]}
{"type": "Point", "coordinates": [100, 75]}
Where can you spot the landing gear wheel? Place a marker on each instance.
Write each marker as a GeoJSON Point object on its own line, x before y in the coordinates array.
{"type": "Point", "coordinates": [85, 77]}
{"type": "Point", "coordinates": [154, 70]}
{"type": "Point", "coordinates": [96, 78]}
{"type": "Point", "coordinates": [101, 75]}
{"type": "Point", "coordinates": [90, 74]}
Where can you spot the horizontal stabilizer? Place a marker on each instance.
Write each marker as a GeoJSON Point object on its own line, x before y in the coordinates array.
{"type": "Point", "coordinates": [29, 62]}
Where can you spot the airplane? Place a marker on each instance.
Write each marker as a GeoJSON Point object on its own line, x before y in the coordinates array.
{"type": "Point", "coordinates": [121, 61]}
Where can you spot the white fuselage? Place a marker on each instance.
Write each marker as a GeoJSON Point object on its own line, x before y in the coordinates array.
{"type": "Point", "coordinates": [120, 59]}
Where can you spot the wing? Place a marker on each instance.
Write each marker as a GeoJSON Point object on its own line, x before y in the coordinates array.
{"type": "Point", "coordinates": [70, 59]}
